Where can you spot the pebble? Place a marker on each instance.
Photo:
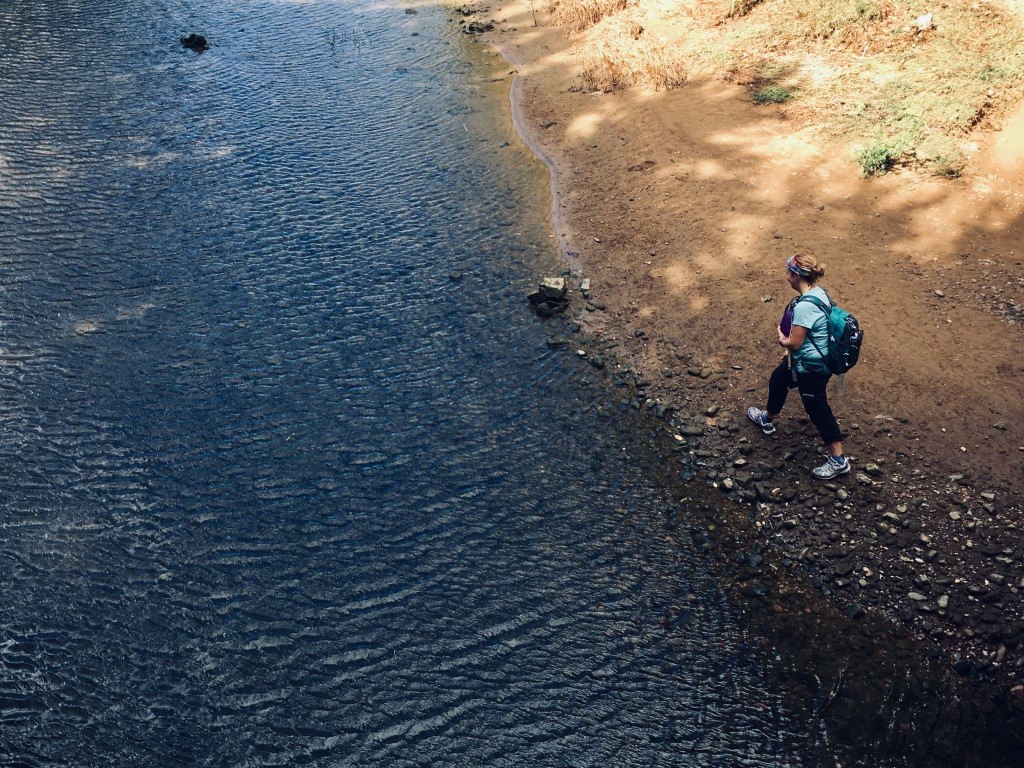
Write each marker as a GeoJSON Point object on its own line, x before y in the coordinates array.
{"type": "Point", "coordinates": [943, 601]}
{"type": "Point", "coordinates": [916, 596]}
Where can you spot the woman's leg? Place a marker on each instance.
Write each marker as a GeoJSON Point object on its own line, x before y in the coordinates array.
{"type": "Point", "coordinates": [778, 387]}
{"type": "Point", "coordinates": [812, 388]}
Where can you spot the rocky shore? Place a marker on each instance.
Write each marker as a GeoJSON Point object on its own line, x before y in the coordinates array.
{"type": "Point", "coordinates": [923, 537]}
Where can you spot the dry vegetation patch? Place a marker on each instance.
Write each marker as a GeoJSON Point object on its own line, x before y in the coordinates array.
{"type": "Point", "coordinates": [618, 53]}
{"type": "Point", "coordinates": [906, 82]}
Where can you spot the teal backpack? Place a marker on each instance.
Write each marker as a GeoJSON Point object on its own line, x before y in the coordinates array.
{"type": "Point", "coordinates": [844, 337]}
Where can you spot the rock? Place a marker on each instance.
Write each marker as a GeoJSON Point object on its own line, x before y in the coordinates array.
{"type": "Point", "coordinates": [552, 287]}
{"type": "Point", "coordinates": [873, 470]}
{"type": "Point", "coordinates": [1017, 696]}
{"type": "Point", "coordinates": [455, 276]}
{"type": "Point", "coordinates": [916, 596]}
{"type": "Point", "coordinates": [963, 667]}
{"type": "Point", "coordinates": [988, 496]}
{"type": "Point", "coordinates": [940, 294]}
{"type": "Point", "coordinates": [728, 483]}
{"type": "Point", "coordinates": [479, 27]}
{"type": "Point", "coordinates": [195, 43]}
{"type": "Point", "coordinates": [943, 601]}
{"type": "Point", "coordinates": [1000, 426]}
{"type": "Point", "coordinates": [842, 495]}
{"type": "Point", "coordinates": [855, 611]}
{"type": "Point", "coordinates": [923, 24]}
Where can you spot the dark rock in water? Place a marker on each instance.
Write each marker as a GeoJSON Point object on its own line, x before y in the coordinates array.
{"type": "Point", "coordinates": [195, 43]}
{"type": "Point", "coordinates": [963, 667]}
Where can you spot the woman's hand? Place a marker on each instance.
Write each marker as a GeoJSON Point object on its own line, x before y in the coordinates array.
{"type": "Point", "coordinates": [796, 338]}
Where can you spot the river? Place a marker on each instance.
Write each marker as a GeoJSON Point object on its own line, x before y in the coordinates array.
{"type": "Point", "coordinates": [292, 476]}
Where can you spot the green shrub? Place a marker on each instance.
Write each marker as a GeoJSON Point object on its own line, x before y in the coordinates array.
{"type": "Point", "coordinates": [877, 159]}
{"type": "Point", "coordinates": [773, 94]}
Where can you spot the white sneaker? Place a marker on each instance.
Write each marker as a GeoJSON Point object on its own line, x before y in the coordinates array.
{"type": "Point", "coordinates": [831, 468]}
{"type": "Point", "coordinates": [760, 418]}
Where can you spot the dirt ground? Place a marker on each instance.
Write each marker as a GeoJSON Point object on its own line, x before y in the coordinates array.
{"type": "Point", "coordinates": [681, 207]}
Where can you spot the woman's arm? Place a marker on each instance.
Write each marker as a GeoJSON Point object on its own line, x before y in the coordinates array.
{"type": "Point", "coordinates": [796, 338]}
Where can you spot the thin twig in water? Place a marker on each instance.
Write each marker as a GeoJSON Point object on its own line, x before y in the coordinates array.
{"type": "Point", "coordinates": [835, 690]}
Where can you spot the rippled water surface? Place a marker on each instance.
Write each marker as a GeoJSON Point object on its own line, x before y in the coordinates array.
{"type": "Point", "coordinates": [277, 489]}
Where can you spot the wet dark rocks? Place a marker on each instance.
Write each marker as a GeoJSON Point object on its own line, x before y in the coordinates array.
{"type": "Point", "coordinates": [550, 298]}
{"type": "Point", "coordinates": [478, 27]}
{"type": "Point", "coordinates": [195, 43]}
{"type": "Point", "coordinates": [864, 545]}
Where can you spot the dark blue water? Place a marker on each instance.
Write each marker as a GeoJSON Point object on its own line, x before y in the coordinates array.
{"type": "Point", "coordinates": [276, 488]}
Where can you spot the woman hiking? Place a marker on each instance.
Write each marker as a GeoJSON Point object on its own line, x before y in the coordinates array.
{"type": "Point", "coordinates": [803, 332]}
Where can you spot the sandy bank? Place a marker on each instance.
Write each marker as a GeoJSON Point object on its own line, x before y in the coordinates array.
{"type": "Point", "coordinates": [681, 206]}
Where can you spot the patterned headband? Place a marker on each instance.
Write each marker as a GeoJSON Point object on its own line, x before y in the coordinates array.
{"type": "Point", "coordinates": [795, 268]}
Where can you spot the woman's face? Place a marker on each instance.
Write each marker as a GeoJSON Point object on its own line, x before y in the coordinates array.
{"type": "Point", "coordinates": [794, 280]}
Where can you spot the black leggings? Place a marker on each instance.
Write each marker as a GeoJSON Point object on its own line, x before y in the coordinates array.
{"type": "Point", "coordinates": [812, 392]}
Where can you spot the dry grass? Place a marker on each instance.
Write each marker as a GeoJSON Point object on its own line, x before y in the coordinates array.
{"type": "Point", "coordinates": [860, 69]}
{"type": "Point", "coordinates": [577, 15]}
{"type": "Point", "coordinates": [618, 54]}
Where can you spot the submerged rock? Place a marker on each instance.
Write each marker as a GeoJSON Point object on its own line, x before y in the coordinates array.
{"type": "Point", "coordinates": [195, 43]}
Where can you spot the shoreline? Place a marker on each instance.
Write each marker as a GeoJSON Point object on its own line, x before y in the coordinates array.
{"type": "Point", "coordinates": [854, 537]}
